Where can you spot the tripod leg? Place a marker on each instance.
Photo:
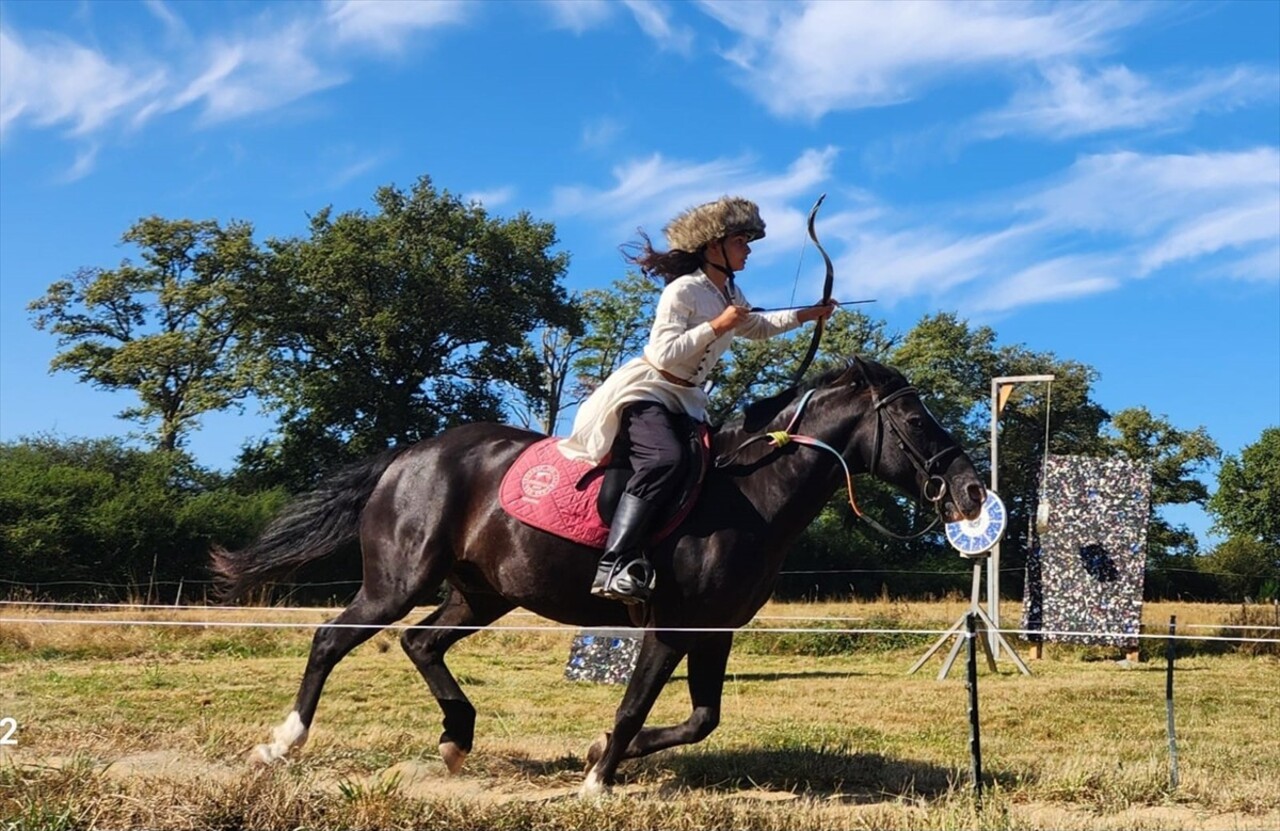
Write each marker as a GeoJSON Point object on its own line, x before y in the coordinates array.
{"type": "Point", "coordinates": [951, 656]}
{"type": "Point", "coordinates": [986, 643]}
{"type": "Point", "coordinates": [1013, 653]}
{"type": "Point", "coordinates": [954, 630]}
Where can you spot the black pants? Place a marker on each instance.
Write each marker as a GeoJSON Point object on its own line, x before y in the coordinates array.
{"type": "Point", "coordinates": [651, 441]}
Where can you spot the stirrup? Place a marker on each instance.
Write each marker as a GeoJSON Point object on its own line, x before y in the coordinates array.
{"type": "Point", "coordinates": [630, 581]}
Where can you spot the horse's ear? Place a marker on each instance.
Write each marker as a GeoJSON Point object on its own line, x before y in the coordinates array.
{"type": "Point", "coordinates": [856, 374]}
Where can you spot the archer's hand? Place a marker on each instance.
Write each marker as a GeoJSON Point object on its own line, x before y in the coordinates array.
{"type": "Point", "coordinates": [731, 318]}
{"type": "Point", "coordinates": [822, 311]}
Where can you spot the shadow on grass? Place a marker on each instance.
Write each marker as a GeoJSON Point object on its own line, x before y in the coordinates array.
{"type": "Point", "coordinates": [827, 772]}
{"type": "Point", "coordinates": [823, 771]}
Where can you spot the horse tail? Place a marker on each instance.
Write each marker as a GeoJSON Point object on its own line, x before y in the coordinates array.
{"type": "Point", "coordinates": [311, 527]}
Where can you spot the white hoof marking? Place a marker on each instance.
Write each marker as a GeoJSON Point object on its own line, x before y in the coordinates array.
{"type": "Point", "coordinates": [291, 734]}
{"type": "Point", "coordinates": [593, 786]}
{"type": "Point", "coordinates": [453, 756]}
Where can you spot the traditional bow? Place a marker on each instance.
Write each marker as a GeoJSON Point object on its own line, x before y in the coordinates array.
{"type": "Point", "coordinates": [826, 292]}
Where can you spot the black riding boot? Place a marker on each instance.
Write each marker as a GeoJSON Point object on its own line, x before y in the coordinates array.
{"type": "Point", "coordinates": [624, 573]}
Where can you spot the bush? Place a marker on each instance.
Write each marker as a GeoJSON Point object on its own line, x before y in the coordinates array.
{"type": "Point", "coordinates": [93, 518]}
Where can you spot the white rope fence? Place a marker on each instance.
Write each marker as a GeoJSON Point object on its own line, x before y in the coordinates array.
{"type": "Point", "coordinates": [561, 628]}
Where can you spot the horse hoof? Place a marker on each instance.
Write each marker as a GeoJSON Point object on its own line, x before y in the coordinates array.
{"type": "Point", "coordinates": [263, 755]}
{"type": "Point", "coordinates": [453, 756]}
{"type": "Point", "coordinates": [593, 787]}
{"type": "Point", "coordinates": [596, 751]}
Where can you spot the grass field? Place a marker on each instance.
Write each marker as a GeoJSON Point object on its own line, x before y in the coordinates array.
{"type": "Point", "coordinates": [147, 726]}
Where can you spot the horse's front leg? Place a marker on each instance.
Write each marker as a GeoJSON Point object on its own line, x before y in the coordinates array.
{"type": "Point", "coordinates": [654, 665]}
{"type": "Point", "coordinates": [707, 662]}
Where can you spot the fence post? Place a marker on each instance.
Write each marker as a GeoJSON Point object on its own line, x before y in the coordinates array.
{"type": "Point", "coordinates": [975, 739]}
{"type": "Point", "coordinates": [1168, 703]}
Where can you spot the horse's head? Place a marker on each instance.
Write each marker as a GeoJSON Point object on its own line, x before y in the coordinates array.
{"type": "Point", "coordinates": [898, 441]}
{"type": "Point", "coordinates": [875, 420]}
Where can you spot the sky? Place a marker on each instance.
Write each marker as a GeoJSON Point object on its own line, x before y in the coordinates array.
{"type": "Point", "coordinates": [1096, 180]}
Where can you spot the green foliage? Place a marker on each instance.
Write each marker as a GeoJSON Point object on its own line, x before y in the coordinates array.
{"type": "Point", "coordinates": [1174, 457]}
{"type": "Point", "coordinates": [570, 361]}
{"type": "Point", "coordinates": [169, 328]}
{"type": "Point", "coordinates": [617, 329]}
{"type": "Point", "coordinates": [97, 511]}
{"type": "Point", "coordinates": [386, 328]}
{"type": "Point", "coordinates": [1247, 502]}
{"type": "Point", "coordinates": [1245, 568]}
{"type": "Point", "coordinates": [755, 369]}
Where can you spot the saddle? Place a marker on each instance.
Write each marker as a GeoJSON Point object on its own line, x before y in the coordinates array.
{"type": "Point", "coordinates": [576, 500]}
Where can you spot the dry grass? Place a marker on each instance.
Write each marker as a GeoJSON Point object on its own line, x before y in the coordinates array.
{"type": "Point", "coordinates": [141, 726]}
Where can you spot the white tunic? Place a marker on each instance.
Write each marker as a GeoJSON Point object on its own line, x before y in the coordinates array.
{"type": "Point", "coordinates": [682, 343]}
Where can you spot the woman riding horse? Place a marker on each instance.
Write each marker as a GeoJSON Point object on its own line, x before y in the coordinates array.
{"type": "Point", "coordinates": [633, 416]}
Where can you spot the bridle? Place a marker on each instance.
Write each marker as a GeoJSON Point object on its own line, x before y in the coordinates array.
{"type": "Point", "coordinates": [933, 488]}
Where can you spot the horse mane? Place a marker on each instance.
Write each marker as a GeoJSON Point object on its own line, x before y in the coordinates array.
{"type": "Point", "coordinates": [757, 415]}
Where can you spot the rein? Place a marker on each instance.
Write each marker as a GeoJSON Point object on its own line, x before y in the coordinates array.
{"type": "Point", "coordinates": [934, 489]}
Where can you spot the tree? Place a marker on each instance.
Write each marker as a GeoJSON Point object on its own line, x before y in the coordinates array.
{"type": "Point", "coordinates": [90, 514]}
{"type": "Point", "coordinates": [1245, 567]}
{"type": "Point", "coordinates": [169, 329]}
{"type": "Point", "coordinates": [1174, 457]}
{"type": "Point", "coordinates": [1247, 501]}
{"type": "Point", "coordinates": [611, 327]}
{"type": "Point", "coordinates": [387, 328]}
{"type": "Point", "coordinates": [617, 329]}
{"type": "Point", "coordinates": [539, 399]}
{"type": "Point", "coordinates": [757, 368]}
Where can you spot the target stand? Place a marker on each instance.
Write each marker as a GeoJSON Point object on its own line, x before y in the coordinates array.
{"type": "Point", "coordinates": [974, 540]}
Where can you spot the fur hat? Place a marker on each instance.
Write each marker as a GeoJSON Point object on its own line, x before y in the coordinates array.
{"type": "Point", "coordinates": [726, 216]}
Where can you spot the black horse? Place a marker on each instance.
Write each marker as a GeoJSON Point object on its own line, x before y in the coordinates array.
{"type": "Point", "coordinates": [429, 514]}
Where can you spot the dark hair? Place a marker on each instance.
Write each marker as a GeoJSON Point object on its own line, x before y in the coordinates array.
{"type": "Point", "coordinates": [665, 264]}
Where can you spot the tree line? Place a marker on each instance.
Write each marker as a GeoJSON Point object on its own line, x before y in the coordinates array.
{"type": "Point", "coordinates": [386, 327]}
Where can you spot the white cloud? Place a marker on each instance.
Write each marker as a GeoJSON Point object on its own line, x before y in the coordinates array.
{"type": "Point", "coordinates": [654, 19]}
{"type": "Point", "coordinates": [1108, 219]}
{"type": "Point", "coordinates": [1070, 103]}
{"type": "Point", "coordinates": [649, 192]}
{"type": "Point", "coordinates": [353, 170]}
{"type": "Point", "coordinates": [891, 264]}
{"type": "Point", "coordinates": [257, 65]}
{"type": "Point", "coordinates": [492, 198]}
{"type": "Point", "coordinates": [256, 73]}
{"type": "Point", "coordinates": [54, 82]}
{"type": "Point", "coordinates": [1141, 195]}
{"type": "Point", "coordinates": [822, 56]}
{"type": "Point", "coordinates": [387, 25]}
{"type": "Point", "coordinates": [1061, 278]}
{"type": "Point", "coordinates": [578, 16]}
{"type": "Point", "coordinates": [86, 158]}
{"type": "Point", "coordinates": [172, 23]}
{"type": "Point", "coordinates": [600, 132]}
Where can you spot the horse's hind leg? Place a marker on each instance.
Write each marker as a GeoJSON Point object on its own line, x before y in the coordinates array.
{"type": "Point", "coordinates": [361, 620]}
{"type": "Point", "coordinates": [460, 615]}
{"type": "Point", "coordinates": [706, 664]}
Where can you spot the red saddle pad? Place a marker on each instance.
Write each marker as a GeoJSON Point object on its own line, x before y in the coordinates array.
{"type": "Point", "coordinates": [557, 495]}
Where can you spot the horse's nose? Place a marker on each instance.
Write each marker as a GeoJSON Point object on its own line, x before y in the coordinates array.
{"type": "Point", "coordinates": [977, 494]}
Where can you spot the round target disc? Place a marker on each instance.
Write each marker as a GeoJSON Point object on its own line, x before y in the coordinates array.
{"type": "Point", "coordinates": [974, 536]}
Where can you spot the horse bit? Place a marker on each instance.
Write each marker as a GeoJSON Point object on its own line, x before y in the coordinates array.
{"type": "Point", "coordinates": [934, 487]}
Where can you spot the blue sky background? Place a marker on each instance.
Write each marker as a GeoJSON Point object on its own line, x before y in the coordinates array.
{"type": "Point", "coordinates": [1101, 181]}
